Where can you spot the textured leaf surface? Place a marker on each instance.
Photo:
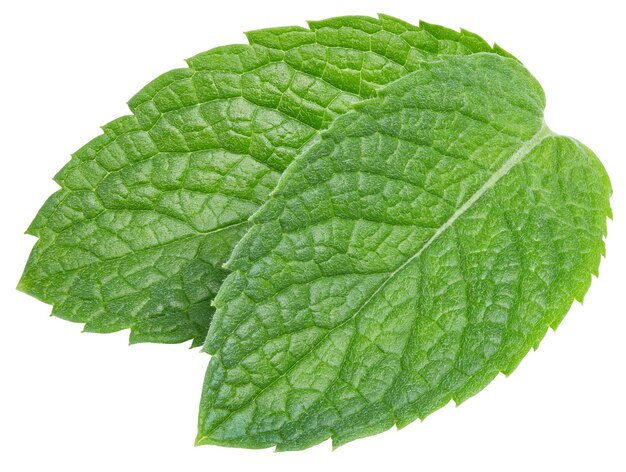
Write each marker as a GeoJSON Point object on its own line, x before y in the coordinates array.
{"type": "Point", "coordinates": [148, 212]}
{"type": "Point", "coordinates": [423, 246]}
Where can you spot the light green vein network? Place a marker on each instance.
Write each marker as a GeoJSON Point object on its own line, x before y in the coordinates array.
{"type": "Point", "coordinates": [424, 245]}
{"type": "Point", "coordinates": [149, 211]}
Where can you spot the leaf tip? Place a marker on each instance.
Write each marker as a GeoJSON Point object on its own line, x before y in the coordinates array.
{"type": "Point", "coordinates": [334, 444]}
{"type": "Point", "coordinates": [133, 338]}
{"type": "Point", "coordinates": [22, 285]}
{"type": "Point", "coordinates": [250, 36]}
{"type": "Point", "coordinates": [201, 440]}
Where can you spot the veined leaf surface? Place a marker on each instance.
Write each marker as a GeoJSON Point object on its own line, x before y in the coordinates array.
{"type": "Point", "coordinates": [149, 211]}
{"type": "Point", "coordinates": [424, 245]}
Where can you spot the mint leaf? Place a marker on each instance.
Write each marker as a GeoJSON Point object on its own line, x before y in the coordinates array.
{"type": "Point", "coordinates": [148, 212]}
{"type": "Point", "coordinates": [424, 245]}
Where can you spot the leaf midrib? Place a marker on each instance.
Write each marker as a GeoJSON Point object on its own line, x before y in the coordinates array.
{"type": "Point", "coordinates": [525, 149]}
{"type": "Point", "coordinates": [515, 158]}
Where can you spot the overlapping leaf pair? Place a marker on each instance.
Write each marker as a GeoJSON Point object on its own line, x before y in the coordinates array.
{"type": "Point", "coordinates": [374, 216]}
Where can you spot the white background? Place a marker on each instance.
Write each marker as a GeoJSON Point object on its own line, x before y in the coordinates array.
{"type": "Point", "coordinates": [77, 402]}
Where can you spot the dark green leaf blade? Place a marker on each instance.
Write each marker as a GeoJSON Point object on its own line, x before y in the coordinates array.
{"type": "Point", "coordinates": [149, 211]}
{"type": "Point", "coordinates": [423, 246]}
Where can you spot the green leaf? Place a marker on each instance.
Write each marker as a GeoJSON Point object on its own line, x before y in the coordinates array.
{"type": "Point", "coordinates": [148, 212]}
{"type": "Point", "coordinates": [424, 245]}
